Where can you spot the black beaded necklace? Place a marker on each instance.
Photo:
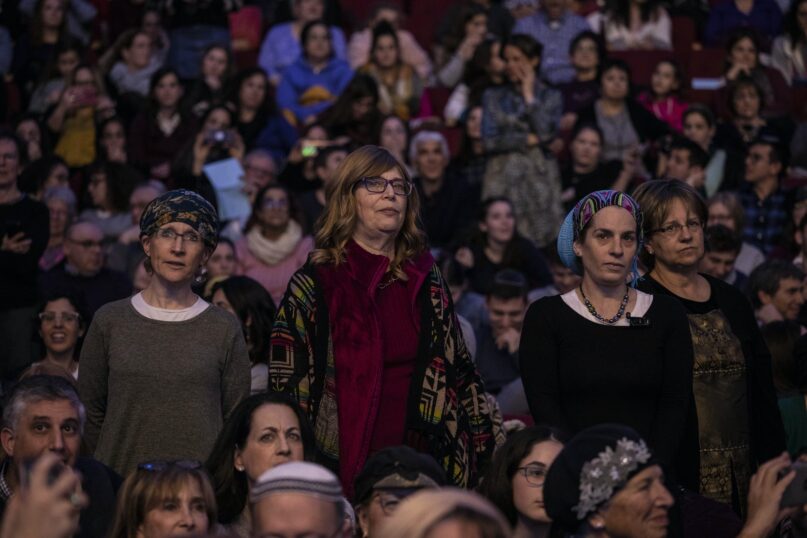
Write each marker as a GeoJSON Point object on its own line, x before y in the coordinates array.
{"type": "Point", "coordinates": [593, 311]}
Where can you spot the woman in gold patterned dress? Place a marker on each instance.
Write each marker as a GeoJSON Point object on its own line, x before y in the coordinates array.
{"type": "Point", "coordinates": [737, 426]}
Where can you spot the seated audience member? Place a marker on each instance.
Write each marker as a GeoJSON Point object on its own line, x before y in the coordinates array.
{"type": "Point", "coordinates": [23, 239]}
{"type": "Point", "coordinates": [134, 63]}
{"type": "Point", "coordinates": [52, 79]}
{"type": "Point", "coordinates": [61, 204]}
{"type": "Point", "coordinates": [766, 203]}
{"type": "Point", "coordinates": [470, 306]}
{"type": "Point", "coordinates": [274, 244]}
{"type": "Point", "coordinates": [663, 98]}
{"type": "Point", "coordinates": [284, 42]}
{"type": "Point", "coordinates": [634, 25]}
{"type": "Point", "coordinates": [399, 85]}
{"type": "Point", "coordinates": [211, 85]}
{"type": "Point", "coordinates": [61, 327]}
{"type": "Point", "coordinates": [390, 476]}
{"type": "Point", "coordinates": [447, 203]}
{"type": "Point", "coordinates": [743, 50]}
{"type": "Point", "coordinates": [554, 26]}
{"type": "Point", "coordinates": [484, 70]}
{"type": "Point", "coordinates": [515, 479]}
{"type": "Point", "coordinates": [82, 273]}
{"type": "Point", "coordinates": [264, 431]}
{"type": "Point", "coordinates": [42, 174]}
{"type": "Point", "coordinates": [762, 16]}
{"type": "Point", "coordinates": [626, 125]}
{"type": "Point", "coordinates": [82, 105]}
{"type": "Point", "coordinates": [315, 80]}
{"type": "Point", "coordinates": [586, 171]}
{"type": "Point", "coordinates": [722, 248]}
{"type": "Point", "coordinates": [220, 266]}
{"type": "Point", "coordinates": [43, 415]}
{"type": "Point", "coordinates": [789, 54]}
{"type": "Point", "coordinates": [745, 103]}
{"type": "Point", "coordinates": [496, 245]}
{"type": "Point", "coordinates": [33, 136]}
{"type": "Point", "coordinates": [564, 279]}
{"type": "Point", "coordinates": [112, 145]}
{"type": "Point", "coordinates": [359, 47]}
{"type": "Point", "coordinates": [472, 160]}
{"type": "Point", "coordinates": [686, 161]}
{"type": "Point", "coordinates": [110, 185]}
{"type": "Point", "coordinates": [260, 169]}
{"type": "Point", "coordinates": [800, 260]}
{"type": "Point", "coordinates": [775, 290]}
{"type": "Point", "coordinates": [312, 203]}
{"type": "Point", "coordinates": [586, 53]}
{"type": "Point", "coordinates": [158, 133]}
{"type": "Point", "coordinates": [498, 339]}
{"type": "Point", "coordinates": [725, 209]}
{"type": "Point", "coordinates": [698, 123]}
{"type": "Point", "coordinates": [248, 301]}
{"type": "Point", "coordinates": [126, 381]}
{"type": "Point", "coordinates": [161, 497]}
{"type": "Point", "coordinates": [298, 499]}
{"type": "Point", "coordinates": [126, 254]}
{"type": "Point", "coordinates": [781, 338]}
{"type": "Point", "coordinates": [456, 48]}
{"type": "Point", "coordinates": [354, 118]}
{"type": "Point", "coordinates": [393, 136]}
{"type": "Point", "coordinates": [792, 406]}
{"type": "Point", "coordinates": [256, 115]}
{"type": "Point", "coordinates": [44, 509]}
{"type": "Point", "coordinates": [601, 481]}
{"type": "Point", "coordinates": [446, 512]}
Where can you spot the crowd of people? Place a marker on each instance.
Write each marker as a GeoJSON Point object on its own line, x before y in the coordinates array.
{"type": "Point", "coordinates": [274, 269]}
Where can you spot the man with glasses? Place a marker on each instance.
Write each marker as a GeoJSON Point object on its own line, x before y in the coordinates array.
{"type": "Point", "coordinates": [388, 477]}
{"type": "Point", "coordinates": [259, 171]}
{"type": "Point", "coordinates": [82, 273]}
{"type": "Point", "coordinates": [299, 499]}
{"type": "Point", "coordinates": [44, 415]}
{"type": "Point", "coordinates": [767, 205]}
{"type": "Point", "coordinates": [24, 232]}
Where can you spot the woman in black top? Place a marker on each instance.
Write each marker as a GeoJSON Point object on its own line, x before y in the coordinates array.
{"type": "Point", "coordinates": [497, 245]}
{"type": "Point", "coordinates": [605, 352]}
{"type": "Point", "coordinates": [738, 424]}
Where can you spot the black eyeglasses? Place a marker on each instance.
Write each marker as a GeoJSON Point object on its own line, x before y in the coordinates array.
{"type": "Point", "coordinates": [377, 185]}
{"type": "Point", "coordinates": [534, 474]}
{"type": "Point", "coordinates": [162, 465]}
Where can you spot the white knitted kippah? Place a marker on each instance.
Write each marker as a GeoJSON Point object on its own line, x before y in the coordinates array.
{"type": "Point", "coordinates": [298, 477]}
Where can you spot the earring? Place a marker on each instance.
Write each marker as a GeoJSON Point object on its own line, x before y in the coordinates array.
{"type": "Point", "coordinates": [240, 468]}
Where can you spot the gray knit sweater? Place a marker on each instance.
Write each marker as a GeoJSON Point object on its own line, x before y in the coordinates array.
{"type": "Point", "coordinates": [157, 389]}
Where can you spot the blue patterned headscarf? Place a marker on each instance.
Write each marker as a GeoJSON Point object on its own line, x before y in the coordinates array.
{"type": "Point", "coordinates": [579, 217]}
{"type": "Point", "coordinates": [181, 206]}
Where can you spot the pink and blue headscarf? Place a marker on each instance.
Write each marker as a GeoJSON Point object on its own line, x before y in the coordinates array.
{"type": "Point", "coordinates": [579, 217]}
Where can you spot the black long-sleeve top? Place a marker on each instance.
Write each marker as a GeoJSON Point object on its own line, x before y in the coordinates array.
{"type": "Point", "coordinates": [767, 431]}
{"type": "Point", "coordinates": [578, 373]}
{"type": "Point", "coordinates": [18, 272]}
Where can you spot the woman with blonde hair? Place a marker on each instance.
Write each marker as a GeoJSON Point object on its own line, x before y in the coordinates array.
{"type": "Point", "coordinates": [369, 315]}
{"type": "Point", "coordinates": [439, 512]}
{"type": "Point", "coordinates": [165, 498]}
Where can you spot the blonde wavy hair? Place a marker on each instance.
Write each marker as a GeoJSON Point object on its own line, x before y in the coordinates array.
{"type": "Point", "coordinates": [338, 221]}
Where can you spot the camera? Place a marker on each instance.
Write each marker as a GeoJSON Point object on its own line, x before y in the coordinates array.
{"type": "Point", "coordinates": [219, 136]}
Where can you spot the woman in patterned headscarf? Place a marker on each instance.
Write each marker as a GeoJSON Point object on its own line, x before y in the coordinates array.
{"type": "Point", "coordinates": [606, 352]}
{"type": "Point", "coordinates": [163, 369]}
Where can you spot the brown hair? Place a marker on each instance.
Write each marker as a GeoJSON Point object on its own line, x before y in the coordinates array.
{"type": "Point", "coordinates": [145, 490]}
{"type": "Point", "coordinates": [338, 221]}
{"type": "Point", "coordinates": [655, 198]}
{"type": "Point", "coordinates": [735, 207]}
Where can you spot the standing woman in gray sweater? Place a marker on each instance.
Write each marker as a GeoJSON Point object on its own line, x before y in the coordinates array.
{"type": "Point", "coordinates": [163, 369]}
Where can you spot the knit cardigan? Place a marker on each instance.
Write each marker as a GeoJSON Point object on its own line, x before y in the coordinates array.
{"type": "Point", "coordinates": [448, 415]}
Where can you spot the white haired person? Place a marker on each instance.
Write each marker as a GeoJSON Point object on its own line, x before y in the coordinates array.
{"type": "Point", "coordinates": [160, 371]}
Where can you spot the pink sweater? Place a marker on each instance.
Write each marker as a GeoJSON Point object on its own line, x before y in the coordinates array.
{"type": "Point", "coordinates": [275, 278]}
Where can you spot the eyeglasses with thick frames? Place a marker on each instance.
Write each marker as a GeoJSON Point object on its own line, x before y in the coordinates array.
{"type": "Point", "coordinates": [170, 235]}
{"type": "Point", "coordinates": [675, 228]}
{"type": "Point", "coordinates": [534, 474]}
{"type": "Point", "coordinates": [378, 185]}
{"type": "Point", "coordinates": [65, 317]}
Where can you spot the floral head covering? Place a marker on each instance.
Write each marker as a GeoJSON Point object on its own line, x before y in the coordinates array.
{"type": "Point", "coordinates": [579, 217]}
{"type": "Point", "coordinates": [181, 206]}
